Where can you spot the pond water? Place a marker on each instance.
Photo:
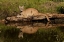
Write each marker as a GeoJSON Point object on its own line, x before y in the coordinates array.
{"type": "Point", "coordinates": [32, 31]}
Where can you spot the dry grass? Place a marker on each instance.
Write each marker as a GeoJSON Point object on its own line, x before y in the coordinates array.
{"type": "Point", "coordinates": [10, 7]}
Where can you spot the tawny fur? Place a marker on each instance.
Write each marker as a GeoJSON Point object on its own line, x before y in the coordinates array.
{"type": "Point", "coordinates": [28, 13]}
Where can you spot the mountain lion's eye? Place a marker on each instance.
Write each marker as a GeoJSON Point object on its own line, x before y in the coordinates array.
{"type": "Point", "coordinates": [20, 11]}
{"type": "Point", "coordinates": [19, 14]}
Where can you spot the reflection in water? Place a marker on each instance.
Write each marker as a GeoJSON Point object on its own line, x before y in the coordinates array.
{"type": "Point", "coordinates": [33, 27]}
{"type": "Point", "coordinates": [33, 32]}
{"type": "Point", "coordinates": [9, 34]}
{"type": "Point", "coordinates": [42, 35]}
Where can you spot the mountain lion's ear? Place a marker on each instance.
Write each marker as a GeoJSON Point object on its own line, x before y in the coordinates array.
{"type": "Point", "coordinates": [21, 8]}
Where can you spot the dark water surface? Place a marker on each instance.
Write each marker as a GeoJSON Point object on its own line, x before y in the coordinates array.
{"type": "Point", "coordinates": [32, 32]}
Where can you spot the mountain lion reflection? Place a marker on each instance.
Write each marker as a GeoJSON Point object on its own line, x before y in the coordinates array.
{"type": "Point", "coordinates": [27, 29]}
{"type": "Point", "coordinates": [31, 28]}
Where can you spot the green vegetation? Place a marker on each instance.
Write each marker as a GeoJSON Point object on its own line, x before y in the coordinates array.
{"type": "Point", "coordinates": [10, 7]}
{"type": "Point", "coordinates": [57, 0]}
{"type": "Point", "coordinates": [60, 8]}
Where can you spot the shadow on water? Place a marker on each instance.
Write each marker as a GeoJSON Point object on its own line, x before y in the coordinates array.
{"type": "Point", "coordinates": [32, 32]}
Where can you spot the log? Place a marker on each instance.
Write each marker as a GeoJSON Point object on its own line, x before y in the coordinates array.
{"type": "Point", "coordinates": [37, 17]}
{"type": "Point", "coordinates": [48, 16]}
